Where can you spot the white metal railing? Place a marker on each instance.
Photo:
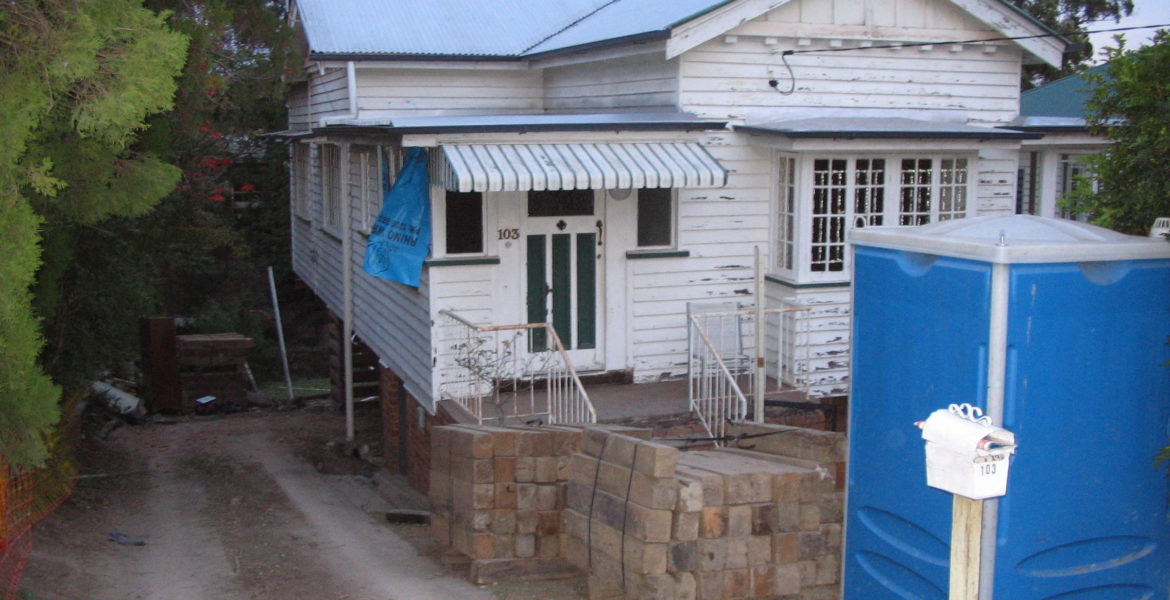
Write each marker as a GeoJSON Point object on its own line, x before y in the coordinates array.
{"type": "Point", "coordinates": [517, 371]}
{"type": "Point", "coordinates": [725, 373]}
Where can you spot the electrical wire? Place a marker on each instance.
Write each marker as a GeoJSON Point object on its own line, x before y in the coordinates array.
{"type": "Point", "coordinates": [974, 41]}
{"type": "Point", "coordinates": [775, 84]}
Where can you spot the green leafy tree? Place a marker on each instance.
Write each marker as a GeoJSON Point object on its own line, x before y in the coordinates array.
{"type": "Point", "coordinates": [202, 250]}
{"type": "Point", "coordinates": [80, 79]}
{"type": "Point", "coordinates": [1073, 19]}
{"type": "Point", "coordinates": [1130, 106]}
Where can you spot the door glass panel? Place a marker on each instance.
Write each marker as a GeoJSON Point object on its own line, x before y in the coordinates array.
{"type": "Point", "coordinates": [560, 203]}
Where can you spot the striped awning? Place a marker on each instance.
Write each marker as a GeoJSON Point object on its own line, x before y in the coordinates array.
{"type": "Point", "coordinates": [522, 167]}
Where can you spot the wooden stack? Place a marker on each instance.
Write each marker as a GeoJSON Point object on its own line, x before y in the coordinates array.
{"type": "Point", "coordinates": [646, 521]}
{"type": "Point", "coordinates": [213, 364]}
{"type": "Point", "coordinates": [496, 496]}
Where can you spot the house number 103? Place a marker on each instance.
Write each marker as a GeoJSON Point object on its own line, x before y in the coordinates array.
{"type": "Point", "coordinates": [508, 234]}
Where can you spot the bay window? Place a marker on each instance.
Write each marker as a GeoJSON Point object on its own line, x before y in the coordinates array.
{"type": "Point", "coordinates": [819, 199]}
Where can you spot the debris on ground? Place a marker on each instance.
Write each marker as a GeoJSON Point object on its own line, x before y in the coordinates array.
{"type": "Point", "coordinates": [125, 540]}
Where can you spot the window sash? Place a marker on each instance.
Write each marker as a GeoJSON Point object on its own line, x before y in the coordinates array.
{"type": "Point", "coordinates": [463, 223]}
{"type": "Point", "coordinates": [331, 187]}
{"type": "Point", "coordinates": [302, 163]}
{"type": "Point", "coordinates": [846, 192]}
{"type": "Point", "coordinates": [655, 224]}
{"type": "Point", "coordinates": [785, 225]}
{"type": "Point", "coordinates": [379, 169]}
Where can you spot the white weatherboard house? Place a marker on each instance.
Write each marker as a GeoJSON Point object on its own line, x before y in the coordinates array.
{"type": "Point", "coordinates": [600, 164]}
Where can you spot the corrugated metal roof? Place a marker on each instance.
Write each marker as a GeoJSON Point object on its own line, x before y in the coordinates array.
{"type": "Point", "coordinates": [627, 18]}
{"type": "Point", "coordinates": [490, 28]}
{"type": "Point", "coordinates": [522, 167]}
{"type": "Point", "coordinates": [876, 128]}
{"type": "Point", "coordinates": [1065, 97]}
{"type": "Point", "coordinates": [436, 27]}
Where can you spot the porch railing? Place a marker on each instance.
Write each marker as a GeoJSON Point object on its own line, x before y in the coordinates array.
{"type": "Point", "coordinates": [724, 370]}
{"type": "Point", "coordinates": [519, 372]}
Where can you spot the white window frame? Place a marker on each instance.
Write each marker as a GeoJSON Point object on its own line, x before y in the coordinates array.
{"type": "Point", "coordinates": [672, 195]}
{"type": "Point", "coordinates": [331, 192]}
{"type": "Point", "coordinates": [372, 182]}
{"type": "Point", "coordinates": [302, 164]}
{"type": "Point", "coordinates": [1070, 166]}
{"type": "Point", "coordinates": [785, 229]}
{"type": "Point", "coordinates": [439, 224]}
{"type": "Point", "coordinates": [949, 182]}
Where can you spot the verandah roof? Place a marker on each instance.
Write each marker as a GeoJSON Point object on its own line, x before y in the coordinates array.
{"type": "Point", "coordinates": [522, 167]}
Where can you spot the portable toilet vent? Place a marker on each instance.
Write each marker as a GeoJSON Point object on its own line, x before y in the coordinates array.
{"type": "Point", "coordinates": [1056, 330]}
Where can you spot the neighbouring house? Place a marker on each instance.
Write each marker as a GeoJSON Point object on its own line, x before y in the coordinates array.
{"type": "Point", "coordinates": [609, 165]}
{"type": "Point", "coordinates": [1049, 166]}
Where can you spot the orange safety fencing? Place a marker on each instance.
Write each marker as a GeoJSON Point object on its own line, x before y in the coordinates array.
{"type": "Point", "coordinates": [28, 495]}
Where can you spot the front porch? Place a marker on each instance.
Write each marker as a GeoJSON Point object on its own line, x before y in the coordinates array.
{"type": "Point", "coordinates": [739, 360]}
{"type": "Point", "coordinates": [664, 407]}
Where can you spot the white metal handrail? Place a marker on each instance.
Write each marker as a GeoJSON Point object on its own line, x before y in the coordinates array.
{"type": "Point", "coordinates": [725, 371]}
{"type": "Point", "coordinates": [715, 397]}
{"type": "Point", "coordinates": [498, 372]}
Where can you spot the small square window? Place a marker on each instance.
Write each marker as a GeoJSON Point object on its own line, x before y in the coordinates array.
{"type": "Point", "coordinates": [655, 217]}
{"type": "Point", "coordinates": [464, 222]}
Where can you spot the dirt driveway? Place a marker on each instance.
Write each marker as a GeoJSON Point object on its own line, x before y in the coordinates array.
{"type": "Point", "coordinates": [228, 508]}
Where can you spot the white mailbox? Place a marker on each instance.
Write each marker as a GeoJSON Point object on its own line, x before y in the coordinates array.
{"type": "Point", "coordinates": [965, 453]}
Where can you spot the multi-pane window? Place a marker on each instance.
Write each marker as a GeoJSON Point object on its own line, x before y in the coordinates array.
{"type": "Point", "coordinates": [786, 214]}
{"type": "Point", "coordinates": [869, 191]}
{"type": "Point", "coordinates": [851, 192]}
{"type": "Point", "coordinates": [829, 212]}
{"type": "Point", "coordinates": [847, 193]}
{"type": "Point", "coordinates": [655, 217]}
{"type": "Point", "coordinates": [952, 189]}
{"type": "Point", "coordinates": [378, 169]}
{"type": "Point", "coordinates": [1073, 173]}
{"type": "Point", "coordinates": [916, 191]}
{"type": "Point", "coordinates": [1027, 200]}
{"type": "Point", "coordinates": [300, 184]}
{"type": "Point", "coordinates": [331, 186]}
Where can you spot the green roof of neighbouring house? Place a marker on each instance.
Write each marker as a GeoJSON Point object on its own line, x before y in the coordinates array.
{"type": "Point", "coordinates": [1064, 97]}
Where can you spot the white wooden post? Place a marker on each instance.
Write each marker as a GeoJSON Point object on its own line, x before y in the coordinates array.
{"type": "Point", "coordinates": [761, 364]}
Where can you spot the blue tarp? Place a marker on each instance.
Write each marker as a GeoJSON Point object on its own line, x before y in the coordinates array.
{"type": "Point", "coordinates": [401, 237]}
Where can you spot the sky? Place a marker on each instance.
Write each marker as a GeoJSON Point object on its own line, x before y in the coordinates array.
{"type": "Point", "coordinates": [1145, 12]}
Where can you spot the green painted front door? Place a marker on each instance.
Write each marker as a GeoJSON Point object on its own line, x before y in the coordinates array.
{"type": "Point", "coordinates": [562, 255]}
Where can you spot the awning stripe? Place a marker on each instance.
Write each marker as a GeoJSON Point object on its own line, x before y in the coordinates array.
{"type": "Point", "coordinates": [522, 167]}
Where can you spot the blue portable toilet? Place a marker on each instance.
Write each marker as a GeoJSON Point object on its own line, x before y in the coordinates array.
{"type": "Point", "coordinates": [1057, 330]}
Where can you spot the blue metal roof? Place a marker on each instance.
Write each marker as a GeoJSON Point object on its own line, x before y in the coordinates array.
{"type": "Point", "coordinates": [436, 27]}
{"type": "Point", "coordinates": [623, 19]}
{"type": "Point", "coordinates": [488, 28]}
{"type": "Point", "coordinates": [1064, 97]}
{"type": "Point", "coordinates": [484, 28]}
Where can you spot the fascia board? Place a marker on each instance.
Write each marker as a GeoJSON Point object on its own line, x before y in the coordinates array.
{"type": "Point", "coordinates": [708, 26]}
{"type": "Point", "coordinates": [1011, 23]}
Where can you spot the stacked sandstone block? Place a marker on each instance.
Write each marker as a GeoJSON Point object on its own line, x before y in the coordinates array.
{"type": "Point", "coordinates": [494, 491]}
{"type": "Point", "coordinates": [646, 521]}
{"type": "Point", "coordinates": [497, 494]}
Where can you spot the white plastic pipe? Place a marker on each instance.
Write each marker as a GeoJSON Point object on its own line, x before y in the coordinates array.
{"type": "Point", "coordinates": [346, 293]}
{"type": "Point", "coordinates": [280, 334]}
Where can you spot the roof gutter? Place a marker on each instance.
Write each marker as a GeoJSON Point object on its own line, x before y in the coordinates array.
{"type": "Point", "coordinates": [637, 38]}
{"type": "Point", "coordinates": [892, 135]}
